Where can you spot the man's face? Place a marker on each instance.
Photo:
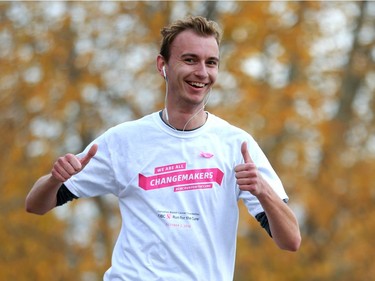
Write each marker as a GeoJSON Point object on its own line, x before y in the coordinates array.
{"type": "Point", "coordinates": [192, 67]}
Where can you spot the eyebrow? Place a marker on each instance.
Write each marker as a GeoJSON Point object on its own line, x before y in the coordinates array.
{"type": "Point", "coordinates": [195, 56]}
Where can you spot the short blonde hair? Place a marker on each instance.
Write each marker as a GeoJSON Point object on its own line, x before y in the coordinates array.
{"type": "Point", "coordinates": [200, 25]}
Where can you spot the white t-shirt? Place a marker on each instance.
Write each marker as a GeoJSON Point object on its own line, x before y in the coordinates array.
{"type": "Point", "coordinates": [177, 195]}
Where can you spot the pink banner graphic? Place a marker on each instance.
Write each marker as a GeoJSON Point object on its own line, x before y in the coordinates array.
{"type": "Point", "coordinates": [187, 177]}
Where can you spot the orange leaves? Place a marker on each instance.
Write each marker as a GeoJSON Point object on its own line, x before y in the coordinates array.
{"type": "Point", "coordinates": [308, 104]}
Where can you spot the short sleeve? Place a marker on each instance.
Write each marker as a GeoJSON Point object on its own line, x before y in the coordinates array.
{"type": "Point", "coordinates": [97, 178]}
{"type": "Point", "coordinates": [268, 173]}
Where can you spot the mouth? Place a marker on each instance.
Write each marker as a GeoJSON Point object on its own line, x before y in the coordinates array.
{"type": "Point", "coordinates": [197, 85]}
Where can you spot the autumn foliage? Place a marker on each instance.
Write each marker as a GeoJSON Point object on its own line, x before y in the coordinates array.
{"type": "Point", "coordinates": [299, 76]}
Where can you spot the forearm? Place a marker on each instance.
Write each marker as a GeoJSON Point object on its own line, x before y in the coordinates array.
{"type": "Point", "coordinates": [282, 221]}
{"type": "Point", "coordinates": [42, 196]}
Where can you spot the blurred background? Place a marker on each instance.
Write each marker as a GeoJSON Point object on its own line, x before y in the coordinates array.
{"type": "Point", "coordinates": [299, 76]}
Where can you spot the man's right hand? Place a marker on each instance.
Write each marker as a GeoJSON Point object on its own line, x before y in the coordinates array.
{"type": "Point", "coordinates": [68, 165]}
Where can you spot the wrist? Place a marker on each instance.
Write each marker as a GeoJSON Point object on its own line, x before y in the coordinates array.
{"type": "Point", "coordinates": [53, 182]}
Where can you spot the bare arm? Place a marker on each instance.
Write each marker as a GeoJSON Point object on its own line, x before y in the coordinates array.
{"type": "Point", "coordinates": [283, 223]}
{"type": "Point", "coordinates": [42, 196]}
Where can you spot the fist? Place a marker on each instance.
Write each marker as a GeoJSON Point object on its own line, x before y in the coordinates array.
{"type": "Point", "coordinates": [247, 174]}
{"type": "Point", "coordinates": [68, 165]}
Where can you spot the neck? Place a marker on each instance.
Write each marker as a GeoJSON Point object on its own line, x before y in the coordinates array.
{"type": "Point", "coordinates": [183, 121]}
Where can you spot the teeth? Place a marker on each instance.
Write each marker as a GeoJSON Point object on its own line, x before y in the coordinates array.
{"type": "Point", "coordinates": [196, 84]}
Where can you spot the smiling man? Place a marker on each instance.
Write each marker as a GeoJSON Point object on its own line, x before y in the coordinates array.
{"type": "Point", "coordinates": [190, 68]}
{"type": "Point", "coordinates": [178, 174]}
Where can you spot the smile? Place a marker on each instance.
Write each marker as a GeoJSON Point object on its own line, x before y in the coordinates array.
{"type": "Point", "coordinates": [197, 84]}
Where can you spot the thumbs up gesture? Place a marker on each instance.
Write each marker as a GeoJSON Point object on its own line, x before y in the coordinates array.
{"type": "Point", "coordinates": [247, 174]}
{"type": "Point", "coordinates": [68, 165]}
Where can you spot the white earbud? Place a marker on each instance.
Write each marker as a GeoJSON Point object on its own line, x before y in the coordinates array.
{"type": "Point", "coordinates": [165, 75]}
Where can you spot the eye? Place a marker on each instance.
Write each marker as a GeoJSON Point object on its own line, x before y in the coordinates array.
{"type": "Point", "coordinates": [189, 60]}
{"type": "Point", "coordinates": [212, 62]}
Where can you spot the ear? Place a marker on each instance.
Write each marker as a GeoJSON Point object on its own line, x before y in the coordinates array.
{"type": "Point", "coordinates": [160, 64]}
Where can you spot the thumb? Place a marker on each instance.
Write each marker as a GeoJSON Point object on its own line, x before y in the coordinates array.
{"type": "Point", "coordinates": [90, 154]}
{"type": "Point", "coordinates": [245, 153]}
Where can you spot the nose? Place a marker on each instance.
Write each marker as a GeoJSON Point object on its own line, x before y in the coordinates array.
{"type": "Point", "coordinates": [201, 70]}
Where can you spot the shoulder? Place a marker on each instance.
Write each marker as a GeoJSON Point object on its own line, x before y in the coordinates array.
{"type": "Point", "coordinates": [234, 136]}
{"type": "Point", "coordinates": [132, 125]}
{"type": "Point", "coordinates": [223, 127]}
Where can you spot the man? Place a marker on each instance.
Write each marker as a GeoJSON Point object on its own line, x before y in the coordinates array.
{"type": "Point", "coordinates": [178, 174]}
